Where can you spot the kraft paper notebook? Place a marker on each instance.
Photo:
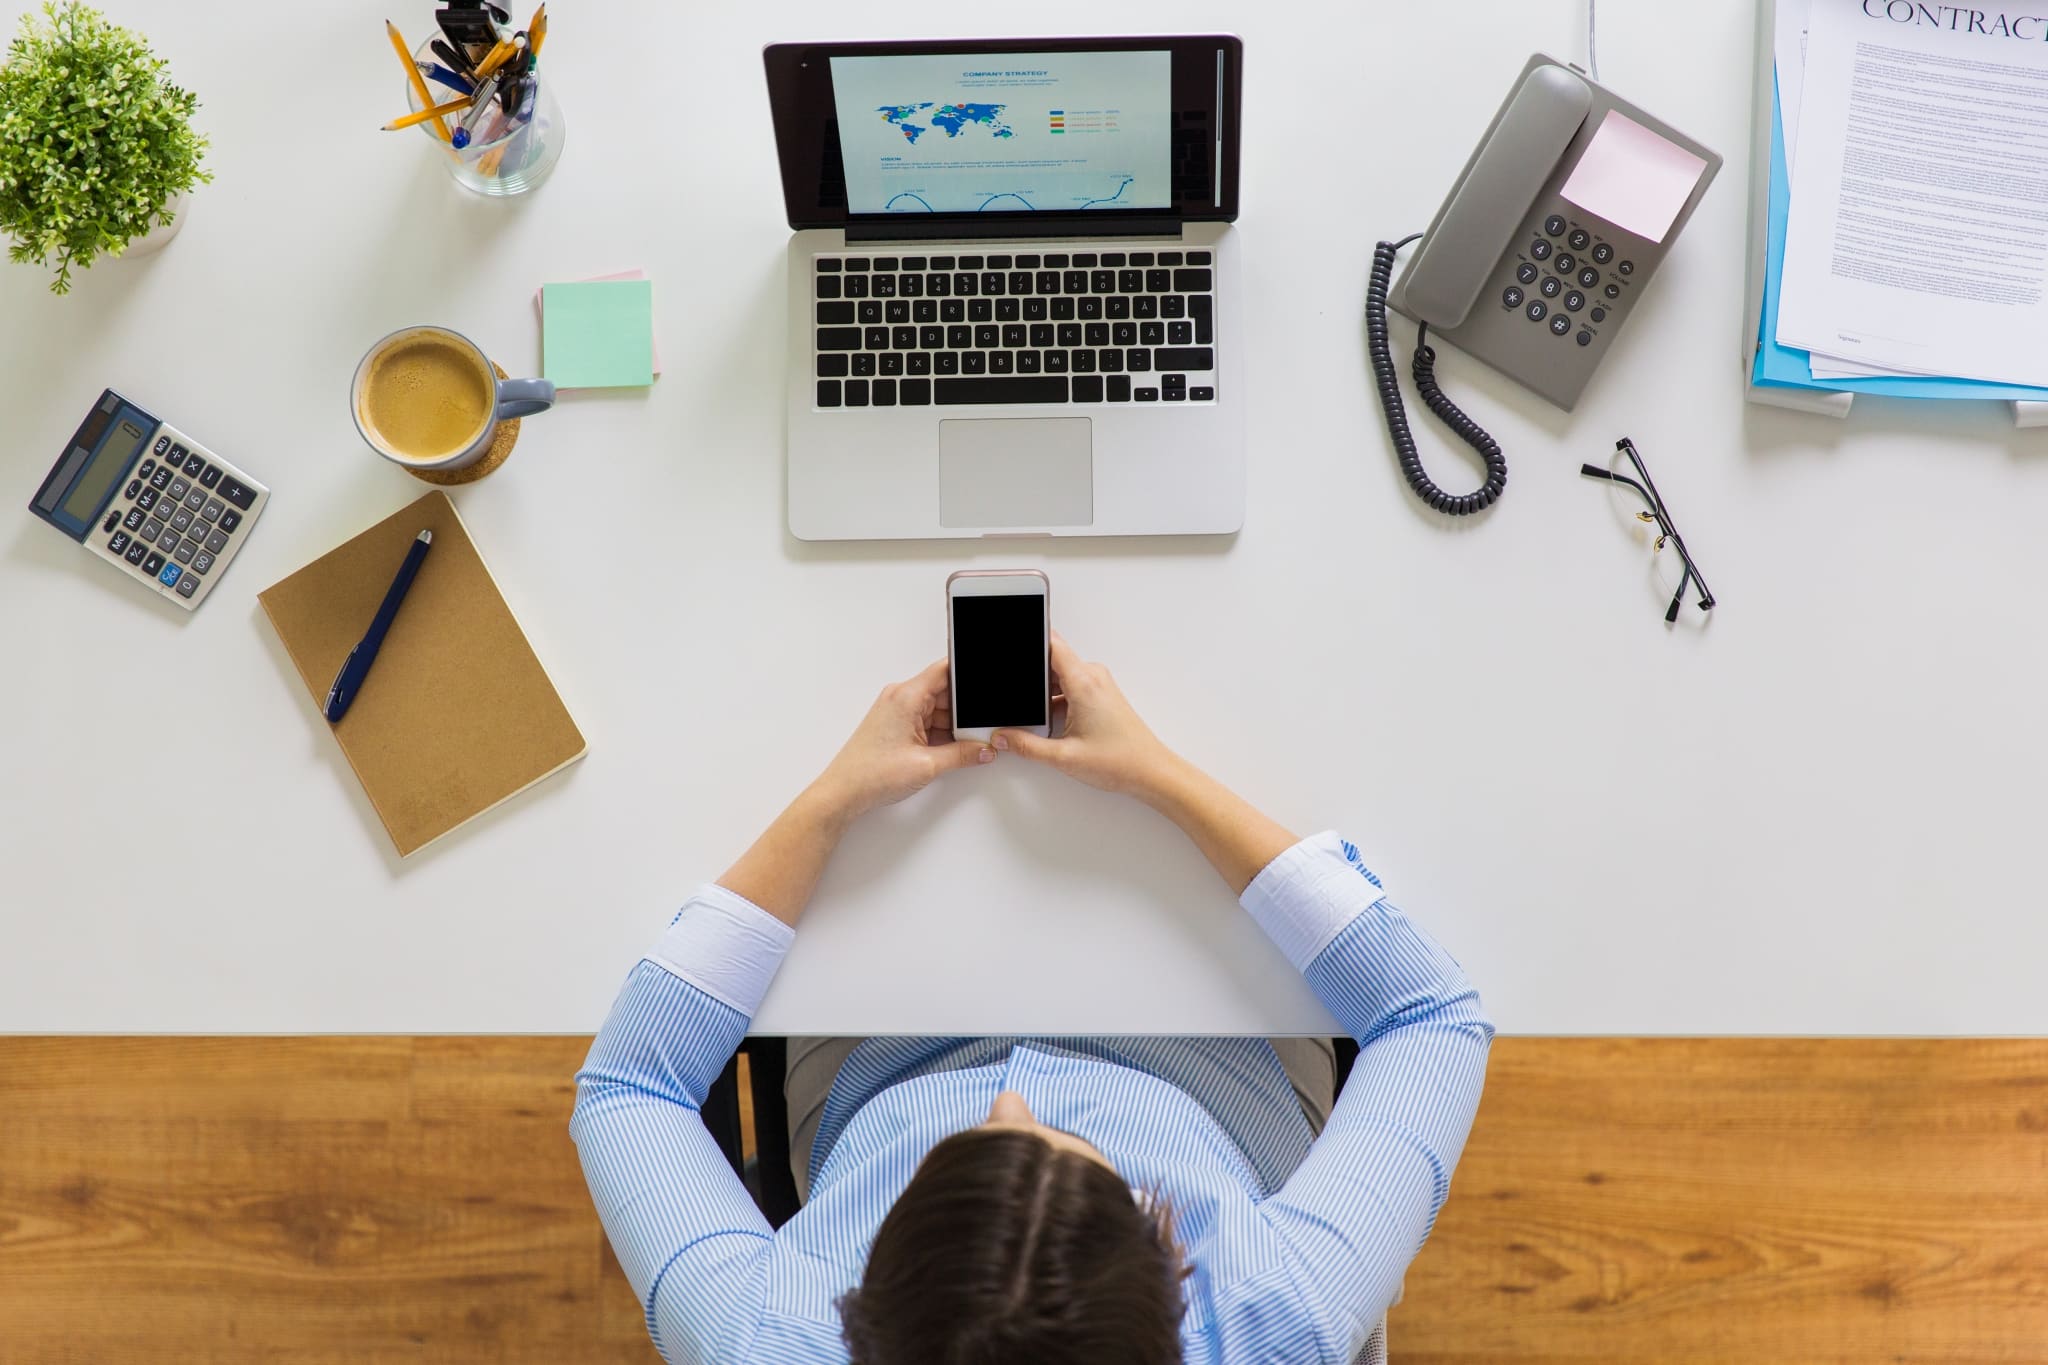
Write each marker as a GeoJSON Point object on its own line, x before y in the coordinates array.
{"type": "Point", "coordinates": [457, 714]}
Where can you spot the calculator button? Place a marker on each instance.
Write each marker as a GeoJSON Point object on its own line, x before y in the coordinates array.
{"type": "Point", "coordinates": [196, 499]}
{"type": "Point", "coordinates": [154, 563]}
{"type": "Point", "coordinates": [163, 443]}
{"type": "Point", "coordinates": [182, 519]}
{"type": "Point", "coordinates": [186, 549]}
{"type": "Point", "coordinates": [1626, 268]}
{"type": "Point", "coordinates": [147, 499]}
{"type": "Point", "coordinates": [1540, 249]}
{"type": "Point", "coordinates": [138, 552]}
{"type": "Point", "coordinates": [113, 520]}
{"type": "Point", "coordinates": [169, 577]}
{"type": "Point", "coordinates": [1560, 324]}
{"type": "Point", "coordinates": [178, 454]}
{"type": "Point", "coordinates": [216, 542]}
{"type": "Point", "coordinates": [1602, 254]}
{"type": "Point", "coordinates": [134, 489]}
{"type": "Point", "coordinates": [1578, 240]}
{"type": "Point", "coordinates": [133, 521]}
{"type": "Point", "coordinates": [178, 489]}
{"type": "Point", "coordinates": [193, 464]}
{"type": "Point", "coordinates": [1575, 300]}
{"type": "Point", "coordinates": [1566, 263]}
{"type": "Point", "coordinates": [1537, 310]}
{"type": "Point", "coordinates": [151, 529]}
{"type": "Point", "coordinates": [1599, 315]}
{"type": "Point", "coordinates": [237, 492]}
{"type": "Point", "coordinates": [120, 543]}
{"type": "Point", "coordinates": [148, 468]}
{"type": "Point", "coordinates": [161, 479]}
{"type": "Point", "coordinates": [1589, 277]}
{"type": "Point", "coordinates": [1550, 288]}
{"type": "Point", "coordinates": [168, 541]}
{"type": "Point", "coordinates": [1554, 225]}
{"type": "Point", "coordinates": [209, 476]}
{"type": "Point", "coordinates": [187, 586]}
{"type": "Point", "coordinates": [229, 520]}
{"type": "Point", "coordinates": [211, 512]}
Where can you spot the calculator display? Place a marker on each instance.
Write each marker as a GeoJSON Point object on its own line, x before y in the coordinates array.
{"type": "Point", "coordinates": [108, 466]}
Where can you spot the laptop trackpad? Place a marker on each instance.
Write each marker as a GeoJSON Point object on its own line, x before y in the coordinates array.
{"type": "Point", "coordinates": [1022, 471]}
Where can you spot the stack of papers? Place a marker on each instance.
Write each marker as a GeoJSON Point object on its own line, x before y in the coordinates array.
{"type": "Point", "coordinates": [1908, 221]}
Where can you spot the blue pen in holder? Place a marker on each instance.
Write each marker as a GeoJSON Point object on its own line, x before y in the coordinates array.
{"type": "Point", "coordinates": [502, 154]}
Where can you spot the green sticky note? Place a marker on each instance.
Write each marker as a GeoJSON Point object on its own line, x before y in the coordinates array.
{"type": "Point", "coordinates": [598, 335]}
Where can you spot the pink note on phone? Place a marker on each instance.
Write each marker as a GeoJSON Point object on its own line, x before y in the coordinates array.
{"type": "Point", "coordinates": [540, 308]}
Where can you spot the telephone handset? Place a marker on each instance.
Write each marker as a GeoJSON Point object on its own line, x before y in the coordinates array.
{"type": "Point", "coordinates": [1538, 254]}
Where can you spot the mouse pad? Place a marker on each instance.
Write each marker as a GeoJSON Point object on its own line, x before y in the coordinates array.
{"type": "Point", "coordinates": [1016, 471]}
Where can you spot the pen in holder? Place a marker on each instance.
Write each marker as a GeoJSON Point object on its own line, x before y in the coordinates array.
{"type": "Point", "coordinates": [503, 154]}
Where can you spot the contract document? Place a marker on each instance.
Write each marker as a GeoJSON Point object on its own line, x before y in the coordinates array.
{"type": "Point", "coordinates": [1918, 238]}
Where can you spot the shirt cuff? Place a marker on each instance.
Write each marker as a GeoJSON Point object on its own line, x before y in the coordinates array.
{"type": "Point", "coordinates": [724, 945]}
{"type": "Point", "coordinates": [1305, 897]}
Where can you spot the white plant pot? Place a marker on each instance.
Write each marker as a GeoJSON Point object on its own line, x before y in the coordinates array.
{"type": "Point", "coordinates": [154, 240]}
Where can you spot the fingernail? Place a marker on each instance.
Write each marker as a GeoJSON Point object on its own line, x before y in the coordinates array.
{"type": "Point", "coordinates": [985, 756]}
{"type": "Point", "coordinates": [1002, 742]}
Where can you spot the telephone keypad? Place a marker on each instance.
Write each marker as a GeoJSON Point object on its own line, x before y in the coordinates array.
{"type": "Point", "coordinates": [1577, 278]}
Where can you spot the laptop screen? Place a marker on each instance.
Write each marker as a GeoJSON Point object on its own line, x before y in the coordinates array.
{"type": "Point", "coordinates": [977, 135]}
{"type": "Point", "coordinates": [1015, 132]}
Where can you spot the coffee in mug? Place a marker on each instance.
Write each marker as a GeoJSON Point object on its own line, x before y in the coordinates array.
{"type": "Point", "coordinates": [428, 398]}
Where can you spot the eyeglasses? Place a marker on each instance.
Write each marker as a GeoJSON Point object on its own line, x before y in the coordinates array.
{"type": "Point", "coordinates": [1659, 516]}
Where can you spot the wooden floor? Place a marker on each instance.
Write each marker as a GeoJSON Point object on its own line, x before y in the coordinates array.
{"type": "Point", "coordinates": [314, 1201]}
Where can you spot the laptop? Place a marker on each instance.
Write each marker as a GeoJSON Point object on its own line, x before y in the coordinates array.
{"type": "Point", "coordinates": [1013, 303]}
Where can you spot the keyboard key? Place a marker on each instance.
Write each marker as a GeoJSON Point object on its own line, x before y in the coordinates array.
{"type": "Point", "coordinates": [1116, 306]}
{"type": "Point", "coordinates": [1202, 308]}
{"type": "Point", "coordinates": [1138, 359]}
{"type": "Point", "coordinates": [1020, 281]}
{"type": "Point", "coordinates": [875, 338]}
{"type": "Point", "coordinates": [1034, 310]}
{"type": "Point", "coordinates": [1042, 334]}
{"type": "Point", "coordinates": [1198, 258]}
{"type": "Point", "coordinates": [993, 282]}
{"type": "Point", "coordinates": [885, 263]}
{"type": "Point", "coordinates": [1112, 258]}
{"type": "Point", "coordinates": [970, 263]}
{"type": "Point", "coordinates": [938, 286]}
{"type": "Point", "coordinates": [891, 364]}
{"type": "Point", "coordinates": [1062, 309]}
{"type": "Point", "coordinates": [1008, 310]}
{"type": "Point", "coordinates": [1145, 395]}
{"type": "Point", "coordinates": [1201, 393]}
{"type": "Point", "coordinates": [839, 338]}
{"type": "Point", "coordinates": [932, 337]}
{"type": "Point", "coordinates": [1081, 362]}
{"type": "Point", "coordinates": [1055, 361]}
{"type": "Point", "coordinates": [1027, 262]}
{"type": "Point", "coordinates": [1047, 282]}
{"type": "Point", "coordinates": [1095, 334]}
{"type": "Point", "coordinates": [1027, 362]}
{"type": "Point", "coordinates": [918, 362]}
{"type": "Point", "coordinates": [832, 366]}
{"type": "Point", "coordinates": [826, 288]}
{"type": "Point", "coordinates": [1068, 334]}
{"type": "Point", "coordinates": [974, 362]}
{"type": "Point", "coordinates": [1180, 333]}
{"type": "Point", "coordinates": [903, 338]}
{"type": "Point", "coordinates": [229, 520]}
{"type": "Point", "coordinates": [831, 313]}
{"type": "Point", "coordinates": [1088, 388]}
{"type": "Point", "coordinates": [1166, 258]}
{"type": "Point", "coordinates": [1013, 389]}
{"type": "Point", "coordinates": [1152, 334]}
{"type": "Point", "coordinates": [1144, 306]}
{"type": "Point", "coordinates": [1084, 258]}
{"type": "Point", "coordinates": [941, 263]}
{"type": "Point", "coordinates": [1015, 334]}
{"type": "Point", "coordinates": [884, 394]}
{"type": "Point", "coordinates": [1102, 281]}
{"type": "Point", "coordinates": [856, 286]}
{"type": "Point", "coordinates": [912, 263]}
{"type": "Point", "coordinates": [856, 263]}
{"type": "Point", "coordinates": [946, 362]}
{"type": "Point", "coordinates": [1173, 306]}
{"type": "Point", "coordinates": [981, 310]}
{"type": "Point", "coordinates": [1184, 358]}
{"type": "Point", "coordinates": [1119, 388]}
{"type": "Point", "coordinates": [964, 284]}
{"type": "Point", "coordinates": [924, 310]}
{"type": "Point", "coordinates": [1158, 281]}
{"type": "Point", "coordinates": [916, 393]}
{"type": "Point", "coordinates": [999, 263]}
{"type": "Point", "coordinates": [1089, 307]}
{"type": "Point", "coordinates": [959, 336]}
{"type": "Point", "coordinates": [187, 586]}
{"type": "Point", "coordinates": [1075, 282]}
{"type": "Point", "coordinates": [857, 393]}
{"type": "Point", "coordinates": [883, 286]}
{"type": "Point", "coordinates": [218, 541]}
{"type": "Point", "coordinates": [864, 365]}
{"type": "Point", "coordinates": [1056, 260]}
{"type": "Point", "coordinates": [1109, 361]}
{"type": "Point", "coordinates": [952, 310]}
{"type": "Point", "coordinates": [1001, 362]}
{"type": "Point", "coordinates": [1174, 386]}
{"type": "Point", "coordinates": [1141, 258]}
{"type": "Point", "coordinates": [896, 310]}
{"type": "Point", "coordinates": [1124, 333]}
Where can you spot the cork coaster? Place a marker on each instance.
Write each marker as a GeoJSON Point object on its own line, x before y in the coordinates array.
{"type": "Point", "coordinates": [502, 441]}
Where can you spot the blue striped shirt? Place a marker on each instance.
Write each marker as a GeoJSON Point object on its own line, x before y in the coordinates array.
{"type": "Point", "coordinates": [1297, 1248]}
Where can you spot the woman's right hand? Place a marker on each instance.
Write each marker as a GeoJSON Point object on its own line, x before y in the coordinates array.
{"type": "Point", "coordinates": [1104, 742]}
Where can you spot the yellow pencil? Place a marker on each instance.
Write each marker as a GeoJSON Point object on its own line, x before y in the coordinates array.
{"type": "Point", "coordinates": [499, 55]}
{"type": "Point", "coordinates": [454, 106]}
{"type": "Point", "coordinates": [412, 72]}
{"type": "Point", "coordinates": [537, 30]}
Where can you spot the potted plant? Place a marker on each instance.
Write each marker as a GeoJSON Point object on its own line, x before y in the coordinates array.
{"type": "Point", "coordinates": [96, 145]}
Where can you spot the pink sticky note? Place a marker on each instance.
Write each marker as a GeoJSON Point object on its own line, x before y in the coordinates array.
{"type": "Point", "coordinates": [1633, 178]}
{"type": "Point", "coordinates": [540, 308]}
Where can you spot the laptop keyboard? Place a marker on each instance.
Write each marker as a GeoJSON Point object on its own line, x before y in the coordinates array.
{"type": "Point", "coordinates": [1009, 327]}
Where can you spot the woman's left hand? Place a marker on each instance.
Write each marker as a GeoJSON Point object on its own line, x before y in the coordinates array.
{"type": "Point", "coordinates": [904, 742]}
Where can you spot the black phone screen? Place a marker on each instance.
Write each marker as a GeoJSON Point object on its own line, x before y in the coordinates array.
{"type": "Point", "coordinates": [998, 661]}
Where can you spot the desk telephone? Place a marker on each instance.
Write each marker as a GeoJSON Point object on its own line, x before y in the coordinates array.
{"type": "Point", "coordinates": [1538, 255]}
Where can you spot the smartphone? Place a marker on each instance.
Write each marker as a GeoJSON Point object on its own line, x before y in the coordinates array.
{"type": "Point", "coordinates": [999, 648]}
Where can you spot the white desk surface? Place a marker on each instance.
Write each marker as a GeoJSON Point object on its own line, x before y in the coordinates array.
{"type": "Point", "coordinates": [1817, 813]}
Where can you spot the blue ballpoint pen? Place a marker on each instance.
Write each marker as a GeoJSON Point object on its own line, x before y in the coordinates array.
{"type": "Point", "coordinates": [356, 666]}
{"type": "Point", "coordinates": [441, 75]}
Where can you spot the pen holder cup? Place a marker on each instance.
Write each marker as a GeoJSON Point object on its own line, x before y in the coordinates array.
{"type": "Point", "coordinates": [505, 154]}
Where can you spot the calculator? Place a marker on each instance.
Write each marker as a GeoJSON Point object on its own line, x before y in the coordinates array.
{"type": "Point", "coordinates": [150, 500]}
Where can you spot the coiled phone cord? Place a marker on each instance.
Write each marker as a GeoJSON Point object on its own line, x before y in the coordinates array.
{"type": "Point", "coordinates": [1447, 412]}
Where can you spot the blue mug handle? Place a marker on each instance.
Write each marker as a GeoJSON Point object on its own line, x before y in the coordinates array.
{"type": "Point", "coordinates": [524, 397]}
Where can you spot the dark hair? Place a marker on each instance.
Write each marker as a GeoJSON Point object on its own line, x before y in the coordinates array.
{"type": "Point", "coordinates": [1004, 1248]}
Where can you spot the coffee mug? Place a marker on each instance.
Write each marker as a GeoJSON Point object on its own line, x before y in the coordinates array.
{"type": "Point", "coordinates": [428, 398]}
